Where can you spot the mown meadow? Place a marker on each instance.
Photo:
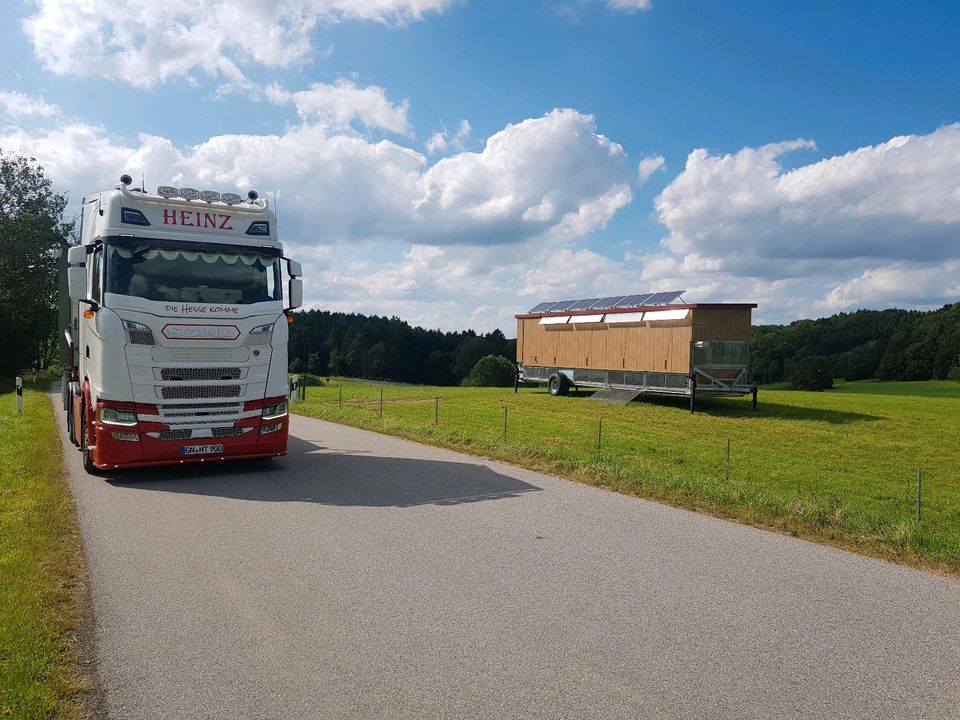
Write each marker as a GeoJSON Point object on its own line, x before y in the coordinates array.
{"type": "Point", "coordinates": [838, 466]}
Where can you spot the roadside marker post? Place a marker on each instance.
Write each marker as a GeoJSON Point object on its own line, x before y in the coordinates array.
{"type": "Point", "coordinates": [919, 484]}
{"type": "Point", "coordinates": [19, 395]}
{"type": "Point", "coordinates": [728, 459]}
{"type": "Point", "coordinates": [436, 411]}
{"type": "Point", "coordinates": [340, 386]}
{"type": "Point", "coordinates": [600, 433]}
{"type": "Point", "coordinates": [504, 422]}
{"type": "Point", "coordinates": [381, 402]}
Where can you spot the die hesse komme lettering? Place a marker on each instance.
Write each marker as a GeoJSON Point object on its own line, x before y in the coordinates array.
{"type": "Point", "coordinates": [189, 218]}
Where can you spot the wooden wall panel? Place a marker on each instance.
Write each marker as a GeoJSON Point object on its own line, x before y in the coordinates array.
{"type": "Point", "coordinates": [655, 347]}
{"type": "Point", "coordinates": [721, 323]}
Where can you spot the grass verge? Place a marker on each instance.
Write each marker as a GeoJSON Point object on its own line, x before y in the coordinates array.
{"type": "Point", "coordinates": [42, 568]}
{"type": "Point", "coordinates": [836, 467]}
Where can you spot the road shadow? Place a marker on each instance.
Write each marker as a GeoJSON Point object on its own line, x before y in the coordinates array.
{"type": "Point", "coordinates": [312, 472]}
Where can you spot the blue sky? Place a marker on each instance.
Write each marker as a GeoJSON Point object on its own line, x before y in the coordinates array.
{"type": "Point", "coordinates": [456, 161]}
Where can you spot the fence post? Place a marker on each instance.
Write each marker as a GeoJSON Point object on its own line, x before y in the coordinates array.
{"type": "Point", "coordinates": [436, 411]}
{"type": "Point", "coordinates": [728, 459]}
{"type": "Point", "coordinates": [919, 483]}
{"type": "Point", "coordinates": [19, 395]}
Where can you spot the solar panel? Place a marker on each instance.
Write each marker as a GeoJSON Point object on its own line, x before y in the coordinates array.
{"type": "Point", "coordinates": [664, 298]}
{"type": "Point", "coordinates": [607, 302]}
{"type": "Point", "coordinates": [542, 307]}
{"type": "Point", "coordinates": [633, 300]}
{"type": "Point", "coordinates": [583, 304]}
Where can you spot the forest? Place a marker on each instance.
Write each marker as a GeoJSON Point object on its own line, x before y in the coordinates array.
{"type": "Point", "coordinates": [353, 345]}
{"type": "Point", "coordinates": [862, 345]}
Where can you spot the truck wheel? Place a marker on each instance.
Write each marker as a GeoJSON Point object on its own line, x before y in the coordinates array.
{"type": "Point", "coordinates": [88, 465]}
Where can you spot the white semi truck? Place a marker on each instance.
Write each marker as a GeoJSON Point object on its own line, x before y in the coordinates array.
{"type": "Point", "coordinates": [179, 306]}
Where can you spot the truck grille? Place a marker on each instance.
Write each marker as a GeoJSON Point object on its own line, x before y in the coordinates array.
{"type": "Point", "coordinates": [223, 432]}
{"type": "Point", "coordinates": [200, 374]}
{"type": "Point", "coordinates": [194, 392]}
{"type": "Point", "coordinates": [175, 434]}
{"type": "Point", "coordinates": [177, 410]}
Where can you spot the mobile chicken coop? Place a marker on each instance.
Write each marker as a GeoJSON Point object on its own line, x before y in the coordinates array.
{"type": "Point", "coordinates": [632, 344]}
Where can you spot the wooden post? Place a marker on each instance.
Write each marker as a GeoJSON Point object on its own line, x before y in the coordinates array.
{"type": "Point", "coordinates": [436, 411]}
{"type": "Point", "coordinates": [504, 422]}
{"type": "Point", "coordinates": [728, 459]}
{"type": "Point", "coordinates": [919, 484]}
{"type": "Point", "coordinates": [340, 386]}
{"type": "Point", "coordinates": [19, 395]}
{"type": "Point", "coordinates": [381, 401]}
{"type": "Point", "coordinates": [600, 433]}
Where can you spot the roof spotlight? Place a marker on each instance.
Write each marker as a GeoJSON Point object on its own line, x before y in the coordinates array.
{"type": "Point", "coordinates": [125, 179]}
{"type": "Point", "coordinates": [209, 195]}
{"type": "Point", "coordinates": [167, 191]}
{"type": "Point", "coordinates": [189, 193]}
{"type": "Point", "coordinates": [253, 195]}
{"type": "Point", "coordinates": [230, 198]}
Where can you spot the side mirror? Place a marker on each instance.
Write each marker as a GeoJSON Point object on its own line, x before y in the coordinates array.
{"type": "Point", "coordinates": [295, 298]}
{"type": "Point", "coordinates": [77, 255]}
{"type": "Point", "coordinates": [77, 282]}
{"type": "Point", "coordinates": [294, 269]}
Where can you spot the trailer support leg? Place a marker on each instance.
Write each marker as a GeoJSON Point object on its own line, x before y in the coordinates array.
{"type": "Point", "coordinates": [693, 395]}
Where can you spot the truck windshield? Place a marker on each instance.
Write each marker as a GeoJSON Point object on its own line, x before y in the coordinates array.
{"type": "Point", "coordinates": [209, 274]}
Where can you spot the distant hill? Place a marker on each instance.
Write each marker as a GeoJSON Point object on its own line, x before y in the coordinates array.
{"type": "Point", "coordinates": [881, 344]}
{"type": "Point", "coordinates": [354, 345]}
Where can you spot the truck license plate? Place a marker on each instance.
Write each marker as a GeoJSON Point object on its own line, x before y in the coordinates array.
{"type": "Point", "coordinates": [201, 449]}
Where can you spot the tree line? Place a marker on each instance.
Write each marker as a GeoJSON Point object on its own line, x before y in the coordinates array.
{"type": "Point", "coordinates": [33, 233]}
{"type": "Point", "coordinates": [354, 345]}
{"type": "Point", "coordinates": [867, 344]}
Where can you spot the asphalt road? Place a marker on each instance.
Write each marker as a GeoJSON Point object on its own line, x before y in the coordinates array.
{"type": "Point", "coordinates": [364, 576]}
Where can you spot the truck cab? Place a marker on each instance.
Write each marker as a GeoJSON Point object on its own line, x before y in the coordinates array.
{"type": "Point", "coordinates": [180, 302]}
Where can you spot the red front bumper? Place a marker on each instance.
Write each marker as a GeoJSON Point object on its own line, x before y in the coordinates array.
{"type": "Point", "coordinates": [110, 452]}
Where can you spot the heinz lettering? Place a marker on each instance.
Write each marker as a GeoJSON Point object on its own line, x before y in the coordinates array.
{"type": "Point", "coordinates": [197, 219]}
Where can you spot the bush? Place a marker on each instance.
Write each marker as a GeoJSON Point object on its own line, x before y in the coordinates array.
{"type": "Point", "coordinates": [491, 371]}
{"type": "Point", "coordinates": [811, 373]}
{"type": "Point", "coordinates": [954, 373]}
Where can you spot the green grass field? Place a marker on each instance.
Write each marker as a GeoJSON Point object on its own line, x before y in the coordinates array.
{"type": "Point", "coordinates": [837, 466]}
{"type": "Point", "coordinates": [42, 572]}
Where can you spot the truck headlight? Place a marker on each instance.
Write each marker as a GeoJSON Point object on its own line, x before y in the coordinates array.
{"type": "Point", "coordinates": [113, 416]}
{"type": "Point", "coordinates": [260, 335]}
{"type": "Point", "coordinates": [138, 333]}
{"type": "Point", "coordinates": [271, 412]}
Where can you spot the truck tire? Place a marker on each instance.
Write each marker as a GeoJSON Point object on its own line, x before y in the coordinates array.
{"type": "Point", "coordinates": [558, 384]}
{"type": "Point", "coordinates": [88, 465]}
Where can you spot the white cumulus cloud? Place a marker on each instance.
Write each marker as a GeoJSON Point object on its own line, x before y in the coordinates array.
{"type": "Point", "coordinates": [19, 105]}
{"type": "Point", "coordinates": [343, 102]}
{"type": "Point", "coordinates": [148, 43]}
{"type": "Point", "coordinates": [897, 201]}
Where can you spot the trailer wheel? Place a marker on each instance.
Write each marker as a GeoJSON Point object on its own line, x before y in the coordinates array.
{"type": "Point", "coordinates": [558, 384]}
